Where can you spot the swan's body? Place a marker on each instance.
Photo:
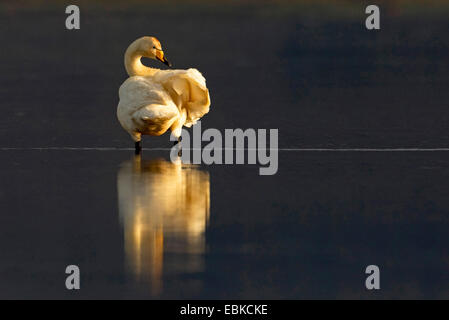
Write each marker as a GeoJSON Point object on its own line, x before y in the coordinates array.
{"type": "Point", "coordinates": [152, 100]}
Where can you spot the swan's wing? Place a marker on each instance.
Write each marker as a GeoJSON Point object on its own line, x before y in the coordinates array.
{"type": "Point", "coordinates": [156, 112]}
{"type": "Point", "coordinates": [145, 106]}
{"type": "Point", "coordinates": [155, 119]}
{"type": "Point", "coordinates": [187, 88]}
{"type": "Point", "coordinates": [137, 91]}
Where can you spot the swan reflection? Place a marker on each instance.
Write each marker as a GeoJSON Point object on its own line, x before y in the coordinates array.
{"type": "Point", "coordinates": [164, 210]}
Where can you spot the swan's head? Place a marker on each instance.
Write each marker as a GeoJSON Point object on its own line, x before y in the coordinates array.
{"type": "Point", "coordinates": [151, 48]}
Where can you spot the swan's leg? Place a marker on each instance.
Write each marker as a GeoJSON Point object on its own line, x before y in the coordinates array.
{"type": "Point", "coordinates": [179, 140]}
{"type": "Point", "coordinates": [137, 137]}
{"type": "Point", "coordinates": [176, 128]}
{"type": "Point", "coordinates": [180, 146]}
{"type": "Point", "coordinates": [138, 147]}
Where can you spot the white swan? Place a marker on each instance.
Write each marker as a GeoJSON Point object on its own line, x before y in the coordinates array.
{"type": "Point", "coordinates": [152, 100]}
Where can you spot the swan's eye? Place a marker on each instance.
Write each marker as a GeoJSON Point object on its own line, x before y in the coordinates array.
{"type": "Point", "coordinates": [154, 47]}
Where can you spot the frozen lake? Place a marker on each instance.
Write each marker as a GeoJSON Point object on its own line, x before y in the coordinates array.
{"type": "Point", "coordinates": [150, 228]}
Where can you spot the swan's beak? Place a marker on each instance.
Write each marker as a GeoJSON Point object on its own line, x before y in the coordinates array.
{"type": "Point", "coordinates": [160, 56]}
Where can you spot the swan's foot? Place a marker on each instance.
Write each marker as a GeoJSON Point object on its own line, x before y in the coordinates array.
{"type": "Point", "coordinates": [179, 146]}
{"type": "Point", "coordinates": [138, 147]}
{"type": "Point", "coordinates": [179, 140]}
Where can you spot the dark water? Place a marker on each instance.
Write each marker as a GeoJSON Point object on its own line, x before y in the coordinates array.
{"type": "Point", "coordinates": [148, 228]}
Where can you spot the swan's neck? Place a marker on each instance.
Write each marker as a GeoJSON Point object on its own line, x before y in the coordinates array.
{"type": "Point", "coordinates": [134, 66]}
